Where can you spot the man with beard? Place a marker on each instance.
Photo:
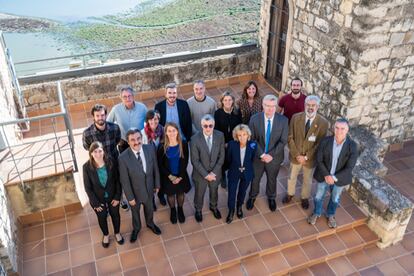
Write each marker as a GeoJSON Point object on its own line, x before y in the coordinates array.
{"type": "Point", "coordinates": [294, 101]}
{"type": "Point", "coordinates": [105, 132]}
{"type": "Point", "coordinates": [175, 110]}
{"type": "Point", "coordinates": [306, 130]}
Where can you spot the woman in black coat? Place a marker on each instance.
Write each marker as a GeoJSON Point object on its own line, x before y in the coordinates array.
{"type": "Point", "coordinates": [101, 180]}
{"type": "Point", "coordinates": [172, 162]}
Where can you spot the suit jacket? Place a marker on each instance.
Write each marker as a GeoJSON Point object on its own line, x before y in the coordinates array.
{"type": "Point", "coordinates": [278, 136]}
{"type": "Point", "coordinates": [299, 144]}
{"type": "Point", "coordinates": [184, 116]}
{"type": "Point", "coordinates": [136, 183]}
{"type": "Point", "coordinates": [346, 161]}
{"type": "Point", "coordinates": [234, 162]}
{"type": "Point", "coordinates": [93, 188]}
{"type": "Point", "coordinates": [204, 162]}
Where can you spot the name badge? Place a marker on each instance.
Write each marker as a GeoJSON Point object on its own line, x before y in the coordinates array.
{"type": "Point", "coordinates": [312, 138]}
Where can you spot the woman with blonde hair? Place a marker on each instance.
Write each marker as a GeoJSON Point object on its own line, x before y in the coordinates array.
{"type": "Point", "coordinates": [172, 162]}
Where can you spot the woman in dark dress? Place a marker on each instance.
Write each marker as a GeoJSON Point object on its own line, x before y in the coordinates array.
{"type": "Point", "coordinates": [101, 180]}
{"type": "Point", "coordinates": [240, 156]}
{"type": "Point", "coordinates": [172, 162]}
{"type": "Point", "coordinates": [251, 102]}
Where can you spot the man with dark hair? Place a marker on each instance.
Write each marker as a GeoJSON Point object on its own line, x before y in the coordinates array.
{"type": "Point", "coordinates": [140, 178]}
{"type": "Point", "coordinates": [335, 160]}
{"type": "Point", "coordinates": [175, 110]}
{"type": "Point", "coordinates": [294, 101]}
{"type": "Point", "coordinates": [105, 132]}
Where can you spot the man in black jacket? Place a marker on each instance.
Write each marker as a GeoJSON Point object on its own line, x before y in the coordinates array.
{"type": "Point", "coordinates": [175, 110]}
{"type": "Point", "coordinates": [335, 160]}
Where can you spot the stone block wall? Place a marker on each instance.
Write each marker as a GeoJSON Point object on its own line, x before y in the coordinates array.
{"type": "Point", "coordinates": [43, 95]}
{"type": "Point", "coordinates": [358, 56]}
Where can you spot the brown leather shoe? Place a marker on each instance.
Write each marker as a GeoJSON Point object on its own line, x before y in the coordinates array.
{"type": "Point", "coordinates": [287, 199]}
{"type": "Point", "coordinates": [305, 203]}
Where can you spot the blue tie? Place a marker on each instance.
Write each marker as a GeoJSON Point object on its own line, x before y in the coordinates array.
{"type": "Point", "coordinates": [268, 130]}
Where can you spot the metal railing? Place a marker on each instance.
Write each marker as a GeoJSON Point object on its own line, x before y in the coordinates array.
{"type": "Point", "coordinates": [35, 155]}
{"type": "Point", "coordinates": [132, 54]}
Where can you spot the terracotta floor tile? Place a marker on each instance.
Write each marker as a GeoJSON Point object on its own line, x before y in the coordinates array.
{"type": "Point", "coordinates": [237, 229]}
{"type": "Point", "coordinates": [77, 222]}
{"type": "Point", "coordinates": [170, 231]}
{"type": "Point", "coordinates": [304, 229]}
{"type": "Point", "coordinates": [322, 269]}
{"type": "Point", "coordinates": [95, 233]}
{"type": "Point", "coordinates": [127, 246]}
{"type": "Point", "coordinates": [160, 268]}
{"type": "Point", "coordinates": [235, 270]}
{"type": "Point", "coordinates": [81, 255]}
{"type": "Point", "coordinates": [131, 259]}
{"type": "Point", "coordinates": [359, 260]}
{"type": "Point", "coordinates": [332, 243]}
{"type": "Point", "coordinates": [302, 272]}
{"type": "Point", "coordinates": [141, 271]}
{"type": "Point", "coordinates": [55, 228]}
{"type": "Point", "coordinates": [262, 205]}
{"type": "Point", "coordinates": [147, 237]}
{"type": "Point", "coordinates": [275, 262]}
{"type": "Point", "coordinates": [407, 262]}
{"type": "Point", "coordinates": [341, 266]}
{"type": "Point", "coordinates": [197, 240]}
{"type": "Point", "coordinates": [66, 272]}
{"type": "Point", "coordinates": [101, 252]}
{"type": "Point", "coordinates": [391, 268]}
{"type": "Point", "coordinates": [176, 247]}
{"type": "Point", "coordinates": [266, 239]}
{"type": "Point", "coordinates": [294, 256]}
{"type": "Point", "coordinates": [35, 267]}
{"type": "Point", "coordinates": [56, 244]}
{"type": "Point", "coordinates": [217, 234]}
{"type": "Point", "coordinates": [285, 233]}
{"type": "Point", "coordinates": [209, 220]}
{"type": "Point", "coordinates": [226, 251]}
{"type": "Point", "coordinates": [346, 201]}
{"type": "Point", "coordinates": [33, 250]}
{"type": "Point", "coordinates": [293, 213]}
{"type": "Point", "coordinates": [355, 212]}
{"type": "Point", "coordinates": [34, 233]}
{"type": "Point", "coordinates": [88, 269]}
{"type": "Point", "coordinates": [79, 238]}
{"type": "Point", "coordinates": [371, 271]}
{"type": "Point", "coordinates": [57, 262]}
{"type": "Point", "coordinates": [255, 266]}
{"type": "Point", "coordinates": [275, 219]}
{"type": "Point", "coordinates": [183, 264]}
{"type": "Point", "coordinates": [376, 254]}
{"type": "Point", "coordinates": [246, 245]}
{"type": "Point", "coordinates": [256, 223]}
{"type": "Point", "coordinates": [350, 238]}
{"type": "Point", "coordinates": [314, 250]}
{"type": "Point", "coordinates": [108, 266]}
{"type": "Point", "coordinates": [204, 257]}
{"type": "Point", "coordinates": [153, 253]}
{"type": "Point", "coordinates": [365, 233]}
{"type": "Point", "coordinates": [408, 242]}
{"type": "Point", "coordinates": [396, 250]}
{"type": "Point", "coordinates": [342, 217]}
{"type": "Point", "coordinates": [190, 226]}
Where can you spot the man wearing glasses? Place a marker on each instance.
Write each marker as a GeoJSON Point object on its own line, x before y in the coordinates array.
{"type": "Point", "coordinates": [207, 157]}
{"type": "Point", "coordinates": [270, 131]}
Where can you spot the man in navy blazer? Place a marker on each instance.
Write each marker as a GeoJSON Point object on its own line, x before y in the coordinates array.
{"type": "Point", "coordinates": [270, 131]}
{"type": "Point", "coordinates": [175, 110]}
{"type": "Point", "coordinates": [335, 160]}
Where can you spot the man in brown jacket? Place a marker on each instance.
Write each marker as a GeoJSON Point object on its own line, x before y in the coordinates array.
{"type": "Point", "coordinates": [306, 130]}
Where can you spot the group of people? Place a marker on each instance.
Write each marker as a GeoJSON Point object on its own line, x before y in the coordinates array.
{"type": "Point", "coordinates": [139, 153]}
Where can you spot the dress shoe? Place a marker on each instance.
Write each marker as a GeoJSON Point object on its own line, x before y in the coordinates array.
{"type": "Point", "coordinates": [161, 197]}
{"type": "Point", "coordinates": [305, 203]}
{"type": "Point", "coordinates": [173, 216]}
{"type": "Point", "coordinates": [181, 216]}
{"type": "Point", "coordinates": [287, 199]}
{"type": "Point", "coordinates": [216, 213]}
{"type": "Point", "coordinates": [239, 212]}
{"type": "Point", "coordinates": [272, 204]}
{"type": "Point", "coordinates": [198, 216]}
{"type": "Point", "coordinates": [134, 236]}
{"type": "Point", "coordinates": [229, 218]}
{"type": "Point", "coordinates": [105, 244]}
{"type": "Point", "coordinates": [250, 203]}
{"type": "Point", "coordinates": [121, 241]}
{"type": "Point", "coordinates": [155, 229]}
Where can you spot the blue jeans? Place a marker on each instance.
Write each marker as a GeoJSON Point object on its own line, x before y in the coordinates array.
{"type": "Point", "coordinates": [335, 192]}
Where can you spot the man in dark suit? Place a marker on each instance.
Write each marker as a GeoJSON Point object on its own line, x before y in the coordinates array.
{"type": "Point", "coordinates": [175, 110]}
{"type": "Point", "coordinates": [335, 160]}
{"type": "Point", "coordinates": [207, 157]}
{"type": "Point", "coordinates": [270, 131]}
{"type": "Point", "coordinates": [139, 176]}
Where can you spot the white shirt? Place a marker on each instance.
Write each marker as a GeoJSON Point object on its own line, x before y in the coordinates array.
{"type": "Point", "coordinates": [336, 151]}
{"type": "Point", "coordinates": [242, 155]}
{"type": "Point", "coordinates": [142, 155]}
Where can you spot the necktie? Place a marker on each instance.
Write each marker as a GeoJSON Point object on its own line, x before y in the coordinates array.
{"type": "Point", "coordinates": [209, 145]}
{"type": "Point", "coordinates": [307, 126]}
{"type": "Point", "coordinates": [268, 130]}
{"type": "Point", "coordinates": [140, 161]}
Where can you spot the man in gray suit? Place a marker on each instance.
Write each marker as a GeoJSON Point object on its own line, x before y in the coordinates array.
{"type": "Point", "coordinates": [139, 176]}
{"type": "Point", "coordinates": [207, 157]}
{"type": "Point", "coordinates": [270, 131]}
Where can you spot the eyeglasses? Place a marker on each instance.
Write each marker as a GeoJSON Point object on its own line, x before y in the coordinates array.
{"type": "Point", "coordinates": [208, 126]}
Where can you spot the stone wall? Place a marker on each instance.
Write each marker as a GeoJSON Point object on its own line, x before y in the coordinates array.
{"type": "Point", "coordinates": [358, 55]}
{"type": "Point", "coordinates": [43, 95]}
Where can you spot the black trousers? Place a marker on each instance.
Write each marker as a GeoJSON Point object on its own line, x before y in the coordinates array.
{"type": "Point", "coordinates": [103, 215]}
{"type": "Point", "coordinates": [233, 193]}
